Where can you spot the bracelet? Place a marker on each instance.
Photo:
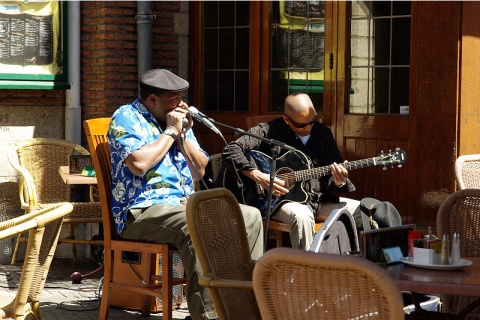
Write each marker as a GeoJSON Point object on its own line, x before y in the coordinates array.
{"type": "Point", "coordinates": [171, 133]}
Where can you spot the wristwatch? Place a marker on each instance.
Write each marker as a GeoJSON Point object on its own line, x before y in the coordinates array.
{"type": "Point", "coordinates": [343, 183]}
{"type": "Point", "coordinates": [171, 133]}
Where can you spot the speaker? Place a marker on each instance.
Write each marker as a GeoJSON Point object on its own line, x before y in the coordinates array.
{"type": "Point", "coordinates": [124, 270]}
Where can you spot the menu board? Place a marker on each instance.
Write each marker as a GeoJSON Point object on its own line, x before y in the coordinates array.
{"type": "Point", "coordinates": [26, 39]}
{"type": "Point", "coordinates": [31, 40]}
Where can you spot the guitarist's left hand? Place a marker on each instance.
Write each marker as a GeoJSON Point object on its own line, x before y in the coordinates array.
{"type": "Point", "coordinates": [339, 173]}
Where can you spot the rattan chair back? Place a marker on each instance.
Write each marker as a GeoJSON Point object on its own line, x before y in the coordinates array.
{"type": "Point", "coordinates": [460, 212]}
{"type": "Point", "coordinates": [467, 171]}
{"type": "Point", "coordinates": [216, 226]}
{"type": "Point", "coordinates": [44, 228]}
{"type": "Point", "coordinates": [300, 285]}
{"type": "Point", "coordinates": [157, 282]}
{"type": "Point", "coordinates": [38, 160]}
{"type": "Point", "coordinates": [42, 157]}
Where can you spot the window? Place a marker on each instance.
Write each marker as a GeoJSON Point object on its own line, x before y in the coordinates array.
{"type": "Point", "coordinates": [255, 53]}
{"type": "Point", "coordinates": [380, 56]}
{"type": "Point", "coordinates": [226, 55]}
{"type": "Point", "coordinates": [298, 29]}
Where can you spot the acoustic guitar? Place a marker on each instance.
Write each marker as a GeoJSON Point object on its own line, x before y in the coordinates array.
{"type": "Point", "coordinates": [295, 168]}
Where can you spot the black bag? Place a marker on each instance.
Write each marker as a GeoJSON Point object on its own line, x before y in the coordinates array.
{"type": "Point", "coordinates": [375, 214]}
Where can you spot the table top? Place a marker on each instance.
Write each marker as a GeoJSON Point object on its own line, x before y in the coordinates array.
{"type": "Point", "coordinates": [464, 282]}
{"type": "Point", "coordinates": [75, 178]}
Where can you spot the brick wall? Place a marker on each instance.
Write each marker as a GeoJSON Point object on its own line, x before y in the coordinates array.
{"type": "Point", "coordinates": [109, 52]}
{"type": "Point", "coordinates": [108, 61]}
{"type": "Point", "coordinates": [108, 80]}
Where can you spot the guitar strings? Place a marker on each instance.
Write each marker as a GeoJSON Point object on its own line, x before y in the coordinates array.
{"type": "Point", "coordinates": [323, 171]}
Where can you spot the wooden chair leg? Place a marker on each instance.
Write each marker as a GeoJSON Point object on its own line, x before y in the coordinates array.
{"type": "Point", "coordinates": [167, 294]}
{"type": "Point", "coordinates": [145, 274]}
{"type": "Point", "coordinates": [72, 236]}
{"type": "Point", "coordinates": [106, 289]}
{"type": "Point", "coordinates": [279, 239]}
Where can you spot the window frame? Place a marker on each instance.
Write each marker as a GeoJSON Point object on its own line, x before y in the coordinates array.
{"type": "Point", "coordinates": [373, 69]}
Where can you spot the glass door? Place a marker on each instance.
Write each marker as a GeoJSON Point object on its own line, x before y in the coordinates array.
{"type": "Point", "coordinates": [298, 51]}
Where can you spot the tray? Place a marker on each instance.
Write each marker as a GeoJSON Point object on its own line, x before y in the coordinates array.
{"type": "Point", "coordinates": [464, 263]}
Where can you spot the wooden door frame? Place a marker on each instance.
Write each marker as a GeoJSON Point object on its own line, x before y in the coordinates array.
{"type": "Point", "coordinates": [259, 58]}
{"type": "Point", "coordinates": [259, 70]}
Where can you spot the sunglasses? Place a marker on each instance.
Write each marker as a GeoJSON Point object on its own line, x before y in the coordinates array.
{"type": "Point", "coordinates": [301, 125]}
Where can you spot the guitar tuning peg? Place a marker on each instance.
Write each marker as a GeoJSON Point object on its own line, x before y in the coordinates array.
{"type": "Point", "coordinates": [384, 167]}
{"type": "Point", "coordinates": [400, 165]}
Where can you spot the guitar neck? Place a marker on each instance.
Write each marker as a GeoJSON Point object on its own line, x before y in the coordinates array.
{"type": "Point", "coordinates": [315, 173]}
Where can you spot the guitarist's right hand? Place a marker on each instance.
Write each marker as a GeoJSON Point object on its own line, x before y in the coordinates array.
{"type": "Point", "coordinates": [263, 180]}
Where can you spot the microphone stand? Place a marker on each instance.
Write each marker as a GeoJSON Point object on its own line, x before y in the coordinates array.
{"type": "Point", "coordinates": [239, 131]}
{"type": "Point", "coordinates": [276, 145]}
{"type": "Point", "coordinates": [273, 168]}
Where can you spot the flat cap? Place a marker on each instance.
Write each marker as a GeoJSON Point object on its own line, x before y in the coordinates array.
{"type": "Point", "coordinates": [163, 80]}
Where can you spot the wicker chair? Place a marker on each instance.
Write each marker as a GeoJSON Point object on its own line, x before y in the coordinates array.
{"type": "Point", "coordinates": [218, 233]}
{"type": "Point", "coordinates": [153, 282]}
{"type": "Point", "coordinates": [460, 212]}
{"type": "Point", "coordinates": [276, 229]}
{"type": "Point", "coordinates": [38, 161]}
{"type": "Point", "coordinates": [300, 285]}
{"type": "Point", "coordinates": [467, 171]}
{"type": "Point", "coordinates": [44, 228]}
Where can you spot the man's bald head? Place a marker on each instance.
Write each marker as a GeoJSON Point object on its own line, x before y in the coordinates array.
{"type": "Point", "coordinates": [297, 103]}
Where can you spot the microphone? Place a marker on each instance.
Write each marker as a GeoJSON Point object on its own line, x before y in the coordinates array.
{"type": "Point", "coordinates": [184, 123]}
{"type": "Point", "coordinates": [184, 130]}
{"type": "Point", "coordinates": [203, 119]}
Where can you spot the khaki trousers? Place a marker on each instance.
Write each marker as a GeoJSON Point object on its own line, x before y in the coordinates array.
{"type": "Point", "coordinates": [301, 220]}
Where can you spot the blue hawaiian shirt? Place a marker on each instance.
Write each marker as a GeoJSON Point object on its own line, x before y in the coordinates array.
{"type": "Point", "coordinates": [133, 126]}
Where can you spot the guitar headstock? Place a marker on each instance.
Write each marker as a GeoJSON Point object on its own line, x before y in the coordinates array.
{"type": "Point", "coordinates": [398, 157]}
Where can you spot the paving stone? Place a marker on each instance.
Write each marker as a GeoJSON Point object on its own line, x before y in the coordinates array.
{"type": "Point", "coordinates": [62, 299]}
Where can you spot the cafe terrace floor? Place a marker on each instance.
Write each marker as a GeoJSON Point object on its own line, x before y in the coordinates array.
{"type": "Point", "coordinates": [61, 299]}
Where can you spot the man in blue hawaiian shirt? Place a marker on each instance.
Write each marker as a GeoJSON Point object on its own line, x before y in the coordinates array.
{"type": "Point", "coordinates": [155, 159]}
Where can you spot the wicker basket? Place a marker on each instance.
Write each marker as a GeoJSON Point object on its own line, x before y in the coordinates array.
{"type": "Point", "coordinates": [305, 9]}
{"type": "Point", "coordinates": [300, 48]}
